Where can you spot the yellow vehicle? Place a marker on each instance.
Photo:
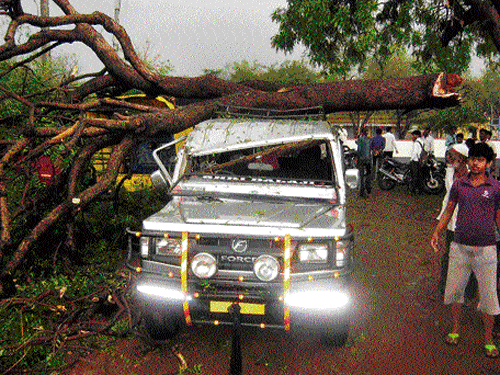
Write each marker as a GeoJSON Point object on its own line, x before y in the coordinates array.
{"type": "Point", "coordinates": [141, 164]}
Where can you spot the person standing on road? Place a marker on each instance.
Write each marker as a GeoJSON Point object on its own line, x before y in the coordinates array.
{"type": "Point", "coordinates": [390, 143]}
{"type": "Point", "coordinates": [457, 159]}
{"type": "Point", "coordinates": [428, 141]}
{"type": "Point", "coordinates": [378, 144]}
{"type": "Point", "coordinates": [473, 249]}
{"type": "Point", "coordinates": [451, 137]}
{"type": "Point", "coordinates": [415, 168]}
{"type": "Point", "coordinates": [365, 162]}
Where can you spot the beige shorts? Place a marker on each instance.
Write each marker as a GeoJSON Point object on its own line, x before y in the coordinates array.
{"type": "Point", "coordinates": [483, 262]}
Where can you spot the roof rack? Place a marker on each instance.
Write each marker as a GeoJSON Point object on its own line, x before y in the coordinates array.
{"type": "Point", "coordinates": [308, 113]}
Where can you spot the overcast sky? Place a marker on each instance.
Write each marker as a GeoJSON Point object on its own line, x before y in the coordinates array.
{"type": "Point", "coordinates": [191, 34]}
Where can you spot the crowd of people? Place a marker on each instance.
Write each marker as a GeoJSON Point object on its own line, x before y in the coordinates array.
{"type": "Point", "coordinates": [372, 150]}
{"type": "Point", "coordinates": [470, 218]}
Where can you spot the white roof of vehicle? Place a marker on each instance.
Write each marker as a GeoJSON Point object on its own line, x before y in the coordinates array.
{"type": "Point", "coordinates": [218, 135]}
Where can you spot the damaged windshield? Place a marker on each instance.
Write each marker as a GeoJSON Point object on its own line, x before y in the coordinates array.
{"type": "Point", "coordinates": [304, 160]}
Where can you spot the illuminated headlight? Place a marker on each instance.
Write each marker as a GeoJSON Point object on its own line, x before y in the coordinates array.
{"type": "Point", "coordinates": [144, 247]}
{"type": "Point", "coordinates": [340, 254]}
{"type": "Point", "coordinates": [204, 265]}
{"type": "Point", "coordinates": [161, 292]}
{"type": "Point", "coordinates": [266, 268]}
{"type": "Point", "coordinates": [317, 299]}
{"type": "Point", "coordinates": [313, 252]}
{"type": "Point", "coordinates": [168, 246]}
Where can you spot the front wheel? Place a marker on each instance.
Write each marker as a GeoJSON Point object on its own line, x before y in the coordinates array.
{"type": "Point", "coordinates": [161, 328]}
{"type": "Point", "coordinates": [433, 184]}
{"type": "Point", "coordinates": [335, 334]}
{"type": "Point", "coordinates": [385, 183]}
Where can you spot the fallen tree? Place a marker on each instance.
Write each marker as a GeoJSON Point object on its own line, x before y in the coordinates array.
{"type": "Point", "coordinates": [81, 136]}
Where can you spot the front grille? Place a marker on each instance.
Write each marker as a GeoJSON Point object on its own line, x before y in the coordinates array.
{"type": "Point", "coordinates": [225, 290]}
{"type": "Point", "coordinates": [225, 244]}
{"type": "Point", "coordinates": [231, 260]}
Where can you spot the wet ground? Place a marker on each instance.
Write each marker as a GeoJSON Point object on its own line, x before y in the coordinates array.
{"type": "Point", "coordinates": [398, 324]}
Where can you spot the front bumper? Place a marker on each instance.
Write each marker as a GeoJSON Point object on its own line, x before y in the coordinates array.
{"type": "Point", "coordinates": [305, 303]}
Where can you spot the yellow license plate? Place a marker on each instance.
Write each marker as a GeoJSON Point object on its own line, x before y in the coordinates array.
{"type": "Point", "coordinates": [246, 308]}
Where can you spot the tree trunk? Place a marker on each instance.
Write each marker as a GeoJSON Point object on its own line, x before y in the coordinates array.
{"type": "Point", "coordinates": [80, 135]}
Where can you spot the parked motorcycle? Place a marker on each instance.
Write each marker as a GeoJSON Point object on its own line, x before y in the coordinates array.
{"type": "Point", "coordinates": [393, 172]}
{"type": "Point", "coordinates": [350, 157]}
{"type": "Point", "coordinates": [434, 173]}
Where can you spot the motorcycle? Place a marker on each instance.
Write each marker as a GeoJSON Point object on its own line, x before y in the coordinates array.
{"type": "Point", "coordinates": [434, 173]}
{"type": "Point", "coordinates": [350, 157]}
{"type": "Point", "coordinates": [393, 172]}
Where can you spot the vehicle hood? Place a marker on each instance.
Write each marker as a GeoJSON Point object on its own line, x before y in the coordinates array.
{"type": "Point", "coordinates": [192, 210]}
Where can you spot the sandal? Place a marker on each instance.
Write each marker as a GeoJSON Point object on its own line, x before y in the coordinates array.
{"type": "Point", "coordinates": [491, 351]}
{"type": "Point", "coordinates": [452, 338]}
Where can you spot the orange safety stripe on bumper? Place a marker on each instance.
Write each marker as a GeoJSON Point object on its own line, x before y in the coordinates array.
{"type": "Point", "coordinates": [184, 274]}
{"type": "Point", "coordinates": [286, 279]}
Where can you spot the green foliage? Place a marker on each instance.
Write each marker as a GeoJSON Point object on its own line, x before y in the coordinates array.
{"type": "Point", "coordinates": [489, 87]}
{"type": "Point", "coordinates": [398, 65]}
{"type": "Point", "coordinates": [37, 81]}
{"type": "Point", "coordinates": [341, 36]}
{"type": "Point", "coordinates": [475, 109]}
{"type": "Point", "coordinates": [195, 369]}
{"type": "Point", "coordinates": [154, 61]}
{"type": "Point", "coordinates": [101, 228]}
{"type": "Point", "coordinates": [101, 242]}
{"type": "Point", "coordinates": [287, 73]}
{"type": "Point", "coordinates": [27, 322]}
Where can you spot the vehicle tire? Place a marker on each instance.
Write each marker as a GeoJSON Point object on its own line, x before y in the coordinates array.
{"type": "Point", "coordinates": [434, 185]}
{"type": "Point", "coordinates": [161, 329]}
{"type": "Point", "coordinates": [385, 183]}
{"type": "Point", "coordinates": [335, 334]}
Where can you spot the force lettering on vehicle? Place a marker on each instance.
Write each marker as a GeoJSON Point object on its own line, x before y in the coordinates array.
{"type": "Point", "coordinates": [236, 259]}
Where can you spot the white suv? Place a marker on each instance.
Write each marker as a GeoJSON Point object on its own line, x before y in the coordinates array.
{"type": "Point", "coordinates": [255, 230]}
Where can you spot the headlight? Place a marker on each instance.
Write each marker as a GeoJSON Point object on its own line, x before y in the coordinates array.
{"type": "Point", "coordinates": [317, 299]}
{"type": "Point", "coordinates": [144, 246]}
{"type": "Point", "coordinates": [161, 292]}
{"type": "Point", "coordinates": [266, 268]}
{"type": "Point", "coordinates": [204, 265]}
{"type": "Point", "coordinates": [168, 246]}
{"type": "Point", "coordinates": [340, 254]}
{"type": "Point", "coordinates": [313, 253]}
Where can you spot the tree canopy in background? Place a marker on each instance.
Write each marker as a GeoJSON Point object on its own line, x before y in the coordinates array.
{"type": "Point", "coordinates": [57, 124]}
{"type": "Point", "coordinates": [341, 36]}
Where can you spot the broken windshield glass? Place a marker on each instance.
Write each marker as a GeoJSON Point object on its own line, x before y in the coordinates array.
{"type": "Point", "coordinates": [304, 160]}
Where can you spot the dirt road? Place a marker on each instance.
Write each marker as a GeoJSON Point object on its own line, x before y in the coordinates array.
{"type": "Point", "coordinates": [398, 325]}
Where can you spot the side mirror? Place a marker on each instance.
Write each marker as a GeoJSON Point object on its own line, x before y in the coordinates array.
{"type": "Point", "coordinates": [352, 178]}
{"type": "Point", "coordinates": [159, 181]}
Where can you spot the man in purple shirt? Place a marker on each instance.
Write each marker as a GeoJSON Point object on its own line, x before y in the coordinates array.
{"type": "Point", "coordinates": [473, 249]}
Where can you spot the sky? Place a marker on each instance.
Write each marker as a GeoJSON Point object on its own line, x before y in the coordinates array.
{"type": "Point", "coordinates": [192, 35]}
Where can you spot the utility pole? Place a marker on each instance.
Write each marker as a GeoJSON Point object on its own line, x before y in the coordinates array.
{"type": "Point", "coordinates": [118, 5]}
{"type": "Point", "coordinates": [44, 12]}
{"type": "Point", "coordinates": [44, 8]}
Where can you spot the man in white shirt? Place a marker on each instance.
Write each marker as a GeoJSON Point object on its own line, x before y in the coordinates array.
{"type": "Point", "coordinates": [415, 168]}
{"type": "Point", "coordinates": [390, 143]}
{"type": "Point", "coordinates": [428, 141]}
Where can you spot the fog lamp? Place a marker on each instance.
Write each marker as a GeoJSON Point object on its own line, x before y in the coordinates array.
{"type": "Point", "coordinates": [266, 268]}
{"type": "Point", "coordinates": [204, 265]}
